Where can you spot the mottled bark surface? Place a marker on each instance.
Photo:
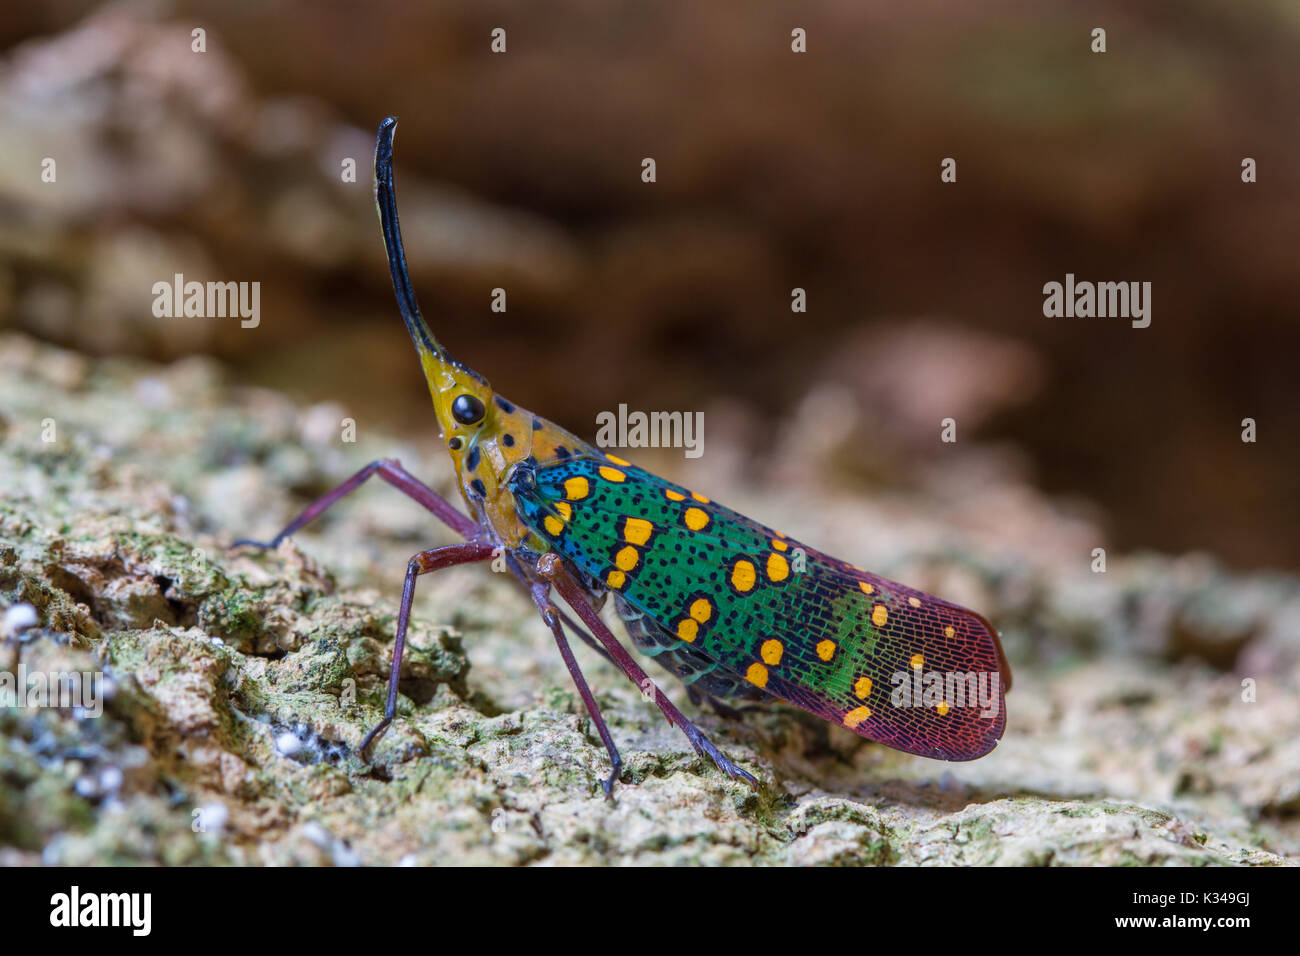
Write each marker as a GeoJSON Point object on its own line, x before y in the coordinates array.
{"type": "Point", "coordinates": [239, 685]}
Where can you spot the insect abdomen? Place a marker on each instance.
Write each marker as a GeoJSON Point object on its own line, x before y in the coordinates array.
{"type": "Point", "coordinates": [690, 666]}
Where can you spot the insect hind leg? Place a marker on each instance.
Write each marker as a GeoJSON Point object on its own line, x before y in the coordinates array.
{"type": "Point", "coordinates": [723, 710]}
{"type": "Point", "coordinates": [551, 568]}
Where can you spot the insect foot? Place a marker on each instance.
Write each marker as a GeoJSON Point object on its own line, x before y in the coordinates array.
{"type": "Point", "coordinates": [705, 748]}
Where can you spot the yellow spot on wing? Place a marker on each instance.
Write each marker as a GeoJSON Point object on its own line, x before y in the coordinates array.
{"type": "Point", "coordinates": [697, 519]}
{"type": "Point", "coordinates": [674, 495]}
{"type": "Point", "coordinates": [917, 661]}
{"type": "Point", "coordinates": [743, 575]}
{"type": "Point", "coordinates": [700, 498]}
{"type": "Point", "coordinates": [771, 651]}
{"type": "Point", "coordinates": [565, 509]}
{"type": "Point", "coordinates": [949, 631]}
{"type": "Point", "coordinates": [879, 615]}
{"type": "Point", "coordinates": [780, 545]}
{"type": "Point", "coordinates": [576, 487]}
{"type": "Point", "coordinates": [942, 708]}
{"type": "Point", "coordinates": [618, 461]}
{"type": "Point", "coordinates": [826, 650]}
{"type": "Point", "coordinates": [866, 588]}
{"type": "Point", "coordinates": [553, 524]}
{"type": "Point", "coordinates": [856, 716]}
{"type": "Point", "coordinates": [701, 609]}
{"type": "Point", "coordinates": [637, 530]}
{"type": "Point", "coordinates": [862, 687]}
{"type": "Point", "coordinates": [626, 558]}
{"type": "Point", "coordinates": [611, 474]}
{"type": "Point", "coordinates": [687, 629]}
{"type": "Point", "coordinates": [757, 675]}
{"type": "Point", "coordinates": [778, 568]}
{"type": "Point", "coordinates": [915, 602]}
{"type": "Point", "coordinates": [616, 579]}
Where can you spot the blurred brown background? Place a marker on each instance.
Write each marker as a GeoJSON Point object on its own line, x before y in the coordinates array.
{"type": "Point", "coordinates": [775, 170]}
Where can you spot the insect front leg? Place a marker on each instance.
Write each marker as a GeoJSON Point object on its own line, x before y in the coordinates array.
{"type": "Point", "coordinates": [422, 563]}
{"type": "Point", "coordinates": [551, 568]}
{"type": "Point", "coordinates": [392, 472]}
{"type": "Point", "coordinates": [552, 616]}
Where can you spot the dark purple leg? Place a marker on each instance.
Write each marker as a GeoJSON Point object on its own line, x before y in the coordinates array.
{"type": "Point", "coordinates": [422, 563]}
{"type": "Point", "coordinates": [551, 569]}
{"type": "Point", "coordinates": [392, 472]}
{"type": "Point", "coordinates": [551, 615]}
{"type": "Point", "coordinates": [724, 711]}
{"type": "Point", "coordinates": [583, 635]}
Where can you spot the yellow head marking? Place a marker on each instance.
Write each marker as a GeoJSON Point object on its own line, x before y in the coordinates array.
{"type": "Point", "coordinates": [687, 629]}
{"type": "Point", "coordinates": [637, 530]}
{"type": "Point", "coordinates": [826, 650]}
{"type": "Point", "coordinates": [917, 661]}
{"type": "Point", "coordinates": [757, 675]}
{"type": "Point", "coordinates": [856, 716]}
{"type": "Point", "coordinates": [701, 609]}
{"type": "Point", "coordinates": [743, 575]}
{"type": "Point", "coordinates": [862, 687]}
{"type": "Point", "coordinates": [627, 558]}
{"type": "Point", "coordinates": [879, 615]}
{"type": "Point", "coordinates": [697, 519]}
{"type": "Point", "coordinates": [771, 651]}
{"type": "Point", "coordinates": [611, 474]}
{"type": "Point", "coordinates": [576, 488]}
{"type": "Point", "coordinates": [778, 568]}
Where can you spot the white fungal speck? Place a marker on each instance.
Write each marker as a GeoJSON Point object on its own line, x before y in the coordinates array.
{"type": "Point", "coordinates": [288, 744]}
{"type": "Point", "coordinates": [19, 618]}
{"type": "Point", "coordinates": [110, 778]}
{"type": "Point", "coordinates": [213, 817]}
{"type": "Point", "coordinates": [317, 834]}
{"type": "Point", "coordinates": [344, 855]}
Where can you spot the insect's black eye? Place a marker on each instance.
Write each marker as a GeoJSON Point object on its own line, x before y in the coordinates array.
{"type": "Point", "coordinates": [467, 409]}
{"type": "Point", "coordinates": [455, 443]}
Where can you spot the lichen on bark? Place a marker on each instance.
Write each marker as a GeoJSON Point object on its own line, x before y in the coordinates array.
{"type": "Point", "coordinates": [238, 685]}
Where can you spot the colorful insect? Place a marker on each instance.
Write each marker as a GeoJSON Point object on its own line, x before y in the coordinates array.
{"type": "Point", "coordinates": [735, 610]}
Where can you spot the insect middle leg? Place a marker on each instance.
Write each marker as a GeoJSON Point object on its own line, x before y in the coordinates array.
{"type": "Point", "coordinates": [551, 615]}
{"type": "Point", "coordinates": [422, 563]}
{"type": "Point", "coordinates": [550, 568]}
{"type": "Point", "coordinates": [392, 472]}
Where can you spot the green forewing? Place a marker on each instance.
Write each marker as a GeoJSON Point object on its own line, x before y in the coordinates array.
{"type": "Point", "coordinates": [892, 663]}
